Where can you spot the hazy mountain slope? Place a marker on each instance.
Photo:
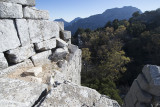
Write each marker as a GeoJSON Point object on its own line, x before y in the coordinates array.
{"type": "Point", "coordinates": [100, 20]}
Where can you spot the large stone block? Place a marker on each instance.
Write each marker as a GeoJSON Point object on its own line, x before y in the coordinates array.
{"type": "Point", "coordinates": [21, 66]}
{"type": "Point", "coordinates": [61, 43]}
{"type": "Point", "coordinates": [65, 35]}
{"type": "Point", "coordinates": [152, 74]}
{"type": "Point", "coordinates": [60, 54]}
{"type": "Point", "coordinates": [8, 35]}
{"type": "Point", "coordinates": [32, 13]}
{"type": "Point", "coordinates": [3, 62]}
{"type": "Point", "coordinates": [22, 27]}
{"type": "Point", "coordinates": [141, 96]}
{"type": "Point", "coordinates": [143, 82]}
{"type": "Point", "coordinates": [42, 30]}
{"type": "Point", "coordinates": [61, 25]}
{"type": "Point", "coordinates": [46, 45]}
{"type": "Point", "coordinates": [20, 54]}
{"type": "Point", "coordinates": [23, 2]}
{"type": "Point", "coordinates": [72, 48]}
{"type": "Point", "coordinates": [42, 58]}
{"type": "Point", "coordinates": [10, 10]}
{"type": "Point", "coordinates": [17, 93]}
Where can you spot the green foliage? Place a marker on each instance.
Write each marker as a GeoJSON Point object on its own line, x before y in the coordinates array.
{"type": "Point", "coordinates": [113, 56]}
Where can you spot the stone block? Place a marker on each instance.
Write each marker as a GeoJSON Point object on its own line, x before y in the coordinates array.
{"type": "Point", "coordinates": [23, 2]}
{"type": "Point", "coordinates": [65, 35]}
{"type": "Point", "coordinates": [141, 96]}
{"type": "Point", "coordinates": [42, 58]}
{"type": "Point", "coordinates": [33, 71]}
{"type": "Point", "coordinates": [59, 54]}
{"type": "Point", "coordinates": [32, 13]}
{"type": "Point", "coordinates": [152, 74]}
{"type": "Point", "coordinates": [42, 30]}
{"type": "Point", "coordinates": [17, 93]}
{"type": "Point", "coordinates": [3, 62]}
{"type": "Point", "coordinates": [22, 27]}
{"type": "Point", "coordinates": [61, 25]}
{"type": "Point", "coordinates": [10, 10]}
{"type": "Point", "coordinates": [21, 66]}
{"type": "Point", "coordinates": [20, 54]}
{"type": "Point", "coordinates": [8, 35]}
{"type": "Point", "coordinates": [46, 45]}
{"type": "Point", "coordinates": [61, 43]}
{"type": "Point", "coordinates": [72, 48]}
{"type": "Point", "coordinates": [143, 82]}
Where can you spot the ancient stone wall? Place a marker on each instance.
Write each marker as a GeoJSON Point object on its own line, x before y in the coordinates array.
{"type": "Point", "coordinates": [145, 90]}
{"type": "Point", "coordinates": [26, 35]}
{"type": "Point", "coordinates": [38, 64]}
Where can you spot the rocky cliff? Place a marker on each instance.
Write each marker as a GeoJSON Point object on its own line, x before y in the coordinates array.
{"type": "Point", "coordinates": [38, 64]}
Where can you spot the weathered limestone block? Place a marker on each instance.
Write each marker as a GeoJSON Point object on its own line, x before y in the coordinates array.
{"type": "Point", "coordinates": [8, 35]}
{"type": "Point", "coordinates": [66, 35]}
{"type": "Point", "coordinates": [10, 10]}
{"type": "Point", "coordinates": [61, 43]}
{"type": "Point", "coordinates": [21, 66]}
{"type": "Point", "coordinates": [46, 45]}
{"type": "Point", "coordinates": [143, 82]}
{"type": "Point", "coordinates": [42, 58]}
{"type": "Point", "coordinates": [61, 25]}
{"type": "Point", "coordinates": [71, 95]}
{"type": "Point", "coordinates": [31, 13]}
{"type": "Point", "coordinates": [22, 27]}
{"type": "Point", "coordinates": [140, 95]}
{"type": "Point", "coordinates": [72, 48]}
{"type": "Point", "coordinates": [152, 74]}
{"type": "Point", "coordinates": [23, 2]}
{"type": "Point", "coordinates": [33, 71]}
{"type": "Point", "coordinates": [42, 30]}
{"type": "Point", "coordinates": [3, 62]}
{"type": "Point", "coordinates": [20, 54]}
{"type": "Point", "coordinates": [60, 54]}
{"type": "Point", "coordinates": [16, 93]}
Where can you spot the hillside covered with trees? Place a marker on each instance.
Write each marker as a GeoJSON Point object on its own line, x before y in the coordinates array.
{"type": "Point", "coordinates": [114, 55]}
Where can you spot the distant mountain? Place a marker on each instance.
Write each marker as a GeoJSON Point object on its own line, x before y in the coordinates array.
{"type": "Point", "coordinates": [62, 20]}
{"type": "Point", "coordinates": [68, 23]}
{"type": "Point", "coordinates": [99, 20]}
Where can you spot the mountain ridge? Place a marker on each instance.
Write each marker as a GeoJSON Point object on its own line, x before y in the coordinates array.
{"type": "Point", "coordinates": [99, 20]}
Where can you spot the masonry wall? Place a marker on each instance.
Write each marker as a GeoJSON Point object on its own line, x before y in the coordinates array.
{"type": "Point", "coordinates": [28, 40]}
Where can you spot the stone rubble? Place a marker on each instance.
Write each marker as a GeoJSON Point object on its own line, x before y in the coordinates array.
{"type": "Point", "coordinates": [38, 64]}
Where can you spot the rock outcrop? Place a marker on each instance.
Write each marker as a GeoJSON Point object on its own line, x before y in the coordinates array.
{"type": "Point", "coordinates": [38, 64]}
{"type": "Point", "coordinates": [145, 90]}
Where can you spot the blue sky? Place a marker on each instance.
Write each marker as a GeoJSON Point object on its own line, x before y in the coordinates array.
{"type": "Point", "coordinates": [70, 9]}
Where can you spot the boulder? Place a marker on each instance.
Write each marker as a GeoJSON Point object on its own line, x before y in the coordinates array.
{"type": "Point", "coordinates": [33, 71]}
{"type": "Point", "coordinates": [22, 28]}
{"type": "Point", "coordinates": [18, 67]}
{"type": "Point", "coordinates": [42, 58]}
{"type": "Point", "coordinates": [20, 54]}
{"type": "Point", "coordinates": [46, 45]}
{"type": "Point", "coordinates": [152, 75]}
{"type": "Point", "coordinates": [72, 48]}
{"type": "Point", "coordinates": [23, 2]}
{"type": "Point", "coordinates": [8, 35]}
{"type": "Point", "coordinates": [41, 30]}
{"type": "Point", "coordinates": [61, 43]}
{"type": "Point", "coordinates": [32, 13]}
{"type": "Point", "coordinates": [10, 10]}
{"type": "Point", "coordinates": [60, 54]}
{"type": "Point", "coordinates": [3, 62]}
{"type": "Point", "coordinates": [17, 93]}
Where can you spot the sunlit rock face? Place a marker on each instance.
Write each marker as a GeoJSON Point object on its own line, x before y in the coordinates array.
{"type": "Point", "coordinates": [38, 64]}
